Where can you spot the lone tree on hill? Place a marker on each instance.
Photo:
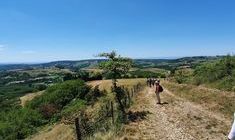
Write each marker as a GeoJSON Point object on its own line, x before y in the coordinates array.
{"type": "Point", "coordinates": [116, 66]}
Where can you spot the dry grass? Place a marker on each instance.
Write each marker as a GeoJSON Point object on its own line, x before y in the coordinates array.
{"type": "Point", "coordinates": [154, 70]}
{"type": "Point", "coordinates": [111, 135]}
{"type": "Point", "coordinates": [215, 100]}
{"type": "Point", "coordinates": [56, 132]}
{"type": "Point", "coordinates": [28, 97]}
{"type": "Point", "coordinates": [35, 72]}
{"type": "Point", "coordinates": [107, 84]}
{"type": "Point", "coordinates": [95, 70]}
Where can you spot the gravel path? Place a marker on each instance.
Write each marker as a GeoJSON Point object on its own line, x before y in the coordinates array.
{"type": "Point", "coordinates": [177, 119]}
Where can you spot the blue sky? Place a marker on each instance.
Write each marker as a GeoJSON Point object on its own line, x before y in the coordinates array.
{"type": "Point", "coordinates": [47, 30]}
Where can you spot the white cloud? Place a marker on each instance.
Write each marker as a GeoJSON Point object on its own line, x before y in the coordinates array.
{"type": "Point", "coordinates": [28, 52]}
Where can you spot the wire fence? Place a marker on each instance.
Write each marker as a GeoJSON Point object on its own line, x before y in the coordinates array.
{"type": "Point", "coordinates": [107, 115]}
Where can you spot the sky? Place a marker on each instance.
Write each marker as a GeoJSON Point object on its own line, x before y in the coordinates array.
{"type": "Point", "coordinates": [49, 30]}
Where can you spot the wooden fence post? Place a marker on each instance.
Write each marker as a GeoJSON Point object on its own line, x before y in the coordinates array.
{"type": "Point", "coordinates": [112, 113]}
{"type": "Point", "coordinates": [125, 101]}
{"type": "Point", "coordinates": [129, 99]}
{"type": "Point", "coordinates": [132, 94]}
{"type": "Point", "coordinates": [78, 131]}
{"type": "Point", "coordinates": [107, 110]}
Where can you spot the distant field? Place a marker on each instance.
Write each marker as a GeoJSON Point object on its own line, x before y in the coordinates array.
{"type": "Point", "coordinates": [154, 70]}
{"type": "Point", "coordinates": [36, 72]}
{"type": "Point", "coordinates": [92, 70]}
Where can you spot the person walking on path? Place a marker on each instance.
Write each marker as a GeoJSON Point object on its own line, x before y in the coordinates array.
{"type": "Point", "coordinates": [153, 82]}
{"type": "Point", "coordinates": [159, 89]}
{"type": "Point", "coordinates": [232, 133]}
{"type": "Point", "coordinates": [150, 82]}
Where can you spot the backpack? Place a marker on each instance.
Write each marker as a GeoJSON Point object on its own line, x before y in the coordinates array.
{"type": "Point", "coordinates": [160, 88]}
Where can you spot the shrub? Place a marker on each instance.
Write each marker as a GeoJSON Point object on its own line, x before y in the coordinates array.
{"type": "Point", "coordinates": [92, 96]}
{"type": "Point", "coordinates": [48, 110]}
{"type": "Point", "coordinates": [145, 74]}
{"type": "Point", "coordinates": [73, 107]}
{"type": "Point", "coordinates": [219, 74]}
{"type": "Point", "coordinates": [61, 95]}
{"type": "Point", "coordinates": [19, 123]}
{"type": "Point", "coordinates": [40, 87]}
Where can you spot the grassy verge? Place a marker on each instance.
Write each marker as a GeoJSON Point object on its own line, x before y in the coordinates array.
{"type": "Point", "coordinates": [115, 129]}
{"type": "Point", "coordinates": [215, 100]}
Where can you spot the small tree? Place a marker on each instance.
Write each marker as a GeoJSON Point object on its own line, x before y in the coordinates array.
{"type": "Point", "coordinates": [116, 66]}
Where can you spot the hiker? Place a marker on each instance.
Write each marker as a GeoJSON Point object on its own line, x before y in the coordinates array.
{"type": "Point", "coordinates": [150, 82]}
{"type": "Point", "coordinates": [232, 133]}
{"type": "Point", "coordinates": [159, 89]}
{"type": "Point", "coordinates": [153, 82]}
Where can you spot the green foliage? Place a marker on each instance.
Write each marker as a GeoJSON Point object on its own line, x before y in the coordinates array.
{"type": "Point", "coordinates": [219, 74]}
{"type": "Point", "coordinates": [89, 76]}
{"type": "Point", "coordinates": [9, 94]}
{"type": "Point", "coordinates": [15, 90]}
{"type": "Point", "coordinates": [183, 75]}
{"type": "Point", "coordinates": [69, 76]}
{"type": "Point", "coordinates": [19, 123]}
{"type": "Point", "coordinates": [93, 95]}
{"type": "Point", "coordinates": [145, 74]}
{"type": "Point", "coordinates": [73, 107]}
{"type": "Point", "coordinates": [62, 94]}
{"type": "Point", "coordinates": [40, 87]}
{"type": "Point", "coordinates": [115, 67]}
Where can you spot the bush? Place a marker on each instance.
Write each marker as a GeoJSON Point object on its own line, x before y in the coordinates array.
{"type": "Point", "coordinates": [183, 75]}
{"type": "Point", "coordinates": [73, 107]}
{"type": "Point", "coordinates": [19, 123]}
{"type": "Point", "coordinates": [89, 76]}
{"type": "Point", "coordinates": [93, 95]}
{"type": "Point", "coordinates": [220, 74]}
{"type": "Point", "coordinates": [48, 110]}
{"type": "Point", "coordinates": [67, 97]}
{"type": "Point", "coordinates": [145, 74]}
{"type": "Point", "coordinates": [60, 95]}
{"type": "Point", "coordinates": [40, 87]}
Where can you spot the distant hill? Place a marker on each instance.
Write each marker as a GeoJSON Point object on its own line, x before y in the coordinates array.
{"type": "Point", "coordinates": [174, 63]}
{"type": "Point", "coordinates": [59, 64]}
{"type": "Point", "coordinates": [141, 63]}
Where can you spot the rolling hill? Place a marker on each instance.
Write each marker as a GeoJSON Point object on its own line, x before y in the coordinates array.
{"type": "Point", "coordinates": [141, 63]}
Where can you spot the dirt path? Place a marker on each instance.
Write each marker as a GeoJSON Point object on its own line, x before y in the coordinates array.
{"type": "Point", "coordinates": [178, 119]}
{"type": "Point", "coordinates": [28, 97]}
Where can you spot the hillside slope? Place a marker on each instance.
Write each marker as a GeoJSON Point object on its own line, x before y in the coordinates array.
{"type": "Point", "coordinates": [177, 119]}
